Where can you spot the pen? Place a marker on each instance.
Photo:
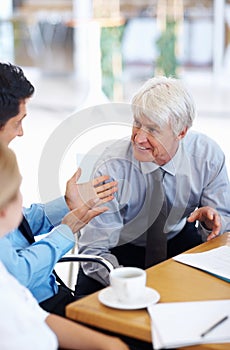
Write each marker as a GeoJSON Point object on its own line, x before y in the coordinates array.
{"type": "Point", "coordinates": [214, 326]}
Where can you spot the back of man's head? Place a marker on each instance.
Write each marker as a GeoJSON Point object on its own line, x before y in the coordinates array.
{"type": "Point", "coordinates": [14, 88]}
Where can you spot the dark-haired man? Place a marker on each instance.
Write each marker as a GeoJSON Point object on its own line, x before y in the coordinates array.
{"type": "Point", "coordinates": [31, 262]}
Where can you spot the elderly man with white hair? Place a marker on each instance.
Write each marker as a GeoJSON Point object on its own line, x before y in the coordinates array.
{"type": "Point", "coordinates": [173, 187]}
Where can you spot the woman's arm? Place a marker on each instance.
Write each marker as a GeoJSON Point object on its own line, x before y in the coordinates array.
{"type": "Point", "coordinates": [73, 336]}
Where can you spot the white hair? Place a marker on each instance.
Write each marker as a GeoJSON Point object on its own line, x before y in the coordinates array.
{"type": "Point", "coordinates": [165, 100]}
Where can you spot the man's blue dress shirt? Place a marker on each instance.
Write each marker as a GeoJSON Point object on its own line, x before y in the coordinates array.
{"type": "Point", "coordinates": [195, 177]}
{"type": "Point", "coordinates": [33, 264]}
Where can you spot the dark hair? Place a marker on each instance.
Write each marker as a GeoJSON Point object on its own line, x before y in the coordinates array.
{"type": "Point", "coordinates": [14, 88]}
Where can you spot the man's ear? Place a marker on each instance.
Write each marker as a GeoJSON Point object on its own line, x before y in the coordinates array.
{"type": "Point", "coordinates": [182, 134]}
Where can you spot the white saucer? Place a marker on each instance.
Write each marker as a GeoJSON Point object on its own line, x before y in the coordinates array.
{"type": "Point", "coordinates": [107, 297]}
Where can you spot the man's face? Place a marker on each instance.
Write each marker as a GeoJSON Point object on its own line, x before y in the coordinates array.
{"type": "Point", "coordinates": [152, 143]}
{"type": "Point", "coordinates": [13, 127]}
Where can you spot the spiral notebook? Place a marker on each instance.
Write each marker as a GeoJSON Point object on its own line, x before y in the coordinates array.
{"type": "Point", "coordinates": [186, 323]}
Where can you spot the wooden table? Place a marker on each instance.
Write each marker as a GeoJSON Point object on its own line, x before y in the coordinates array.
{"type": "Point", "coordinates": [174, 281]}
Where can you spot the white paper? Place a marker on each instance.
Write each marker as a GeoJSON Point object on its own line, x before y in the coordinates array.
{"type": "Point", "coordinates": [215, 261]}
{"type": "Point", "coordinates": [182, 323]}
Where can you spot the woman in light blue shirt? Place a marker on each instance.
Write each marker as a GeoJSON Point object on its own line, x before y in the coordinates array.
{"type": "Point", "coordinates": [25, 325]}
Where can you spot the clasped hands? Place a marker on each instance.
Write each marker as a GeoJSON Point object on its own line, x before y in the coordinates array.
{"type": "Point", "coordinates": [84, 199]}
{"type": "Point", "coordinates": [209, 218]}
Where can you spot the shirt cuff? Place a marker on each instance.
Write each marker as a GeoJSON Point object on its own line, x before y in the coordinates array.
{"type": "Point", "coordinates": [65, 234]}
{"type": "Point", "coordinates": [55, 210]}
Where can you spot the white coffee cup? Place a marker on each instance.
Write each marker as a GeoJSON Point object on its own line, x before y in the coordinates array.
{"type": "Point", "coordinates": [128, 284]}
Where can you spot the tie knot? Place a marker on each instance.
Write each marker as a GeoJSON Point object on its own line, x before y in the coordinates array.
{"type": "Point", "coordinates": [158, 174]}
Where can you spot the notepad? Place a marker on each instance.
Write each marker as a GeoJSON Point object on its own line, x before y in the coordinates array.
{"type": "Point", "coordinates": [215, 261]}
{"type": "Point", "coordinates": [182, 323]}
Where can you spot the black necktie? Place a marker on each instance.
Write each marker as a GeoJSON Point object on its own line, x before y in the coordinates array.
{"type": "Point", "coordinates": [156, 239]}
{"type": "Point", "coordinates": [25, 229]}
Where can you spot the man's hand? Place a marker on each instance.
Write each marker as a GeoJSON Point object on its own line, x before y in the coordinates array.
{"type": "Point", "coordinates": [210, 219]}
{"type": "Point", "coordinates": [78, 194]}
{"type": "Point", "coordinates": [79, 217]}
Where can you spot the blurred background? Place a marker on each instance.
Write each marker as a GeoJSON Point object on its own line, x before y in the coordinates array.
{"type": "Point", "coordinates": [80, 53]}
